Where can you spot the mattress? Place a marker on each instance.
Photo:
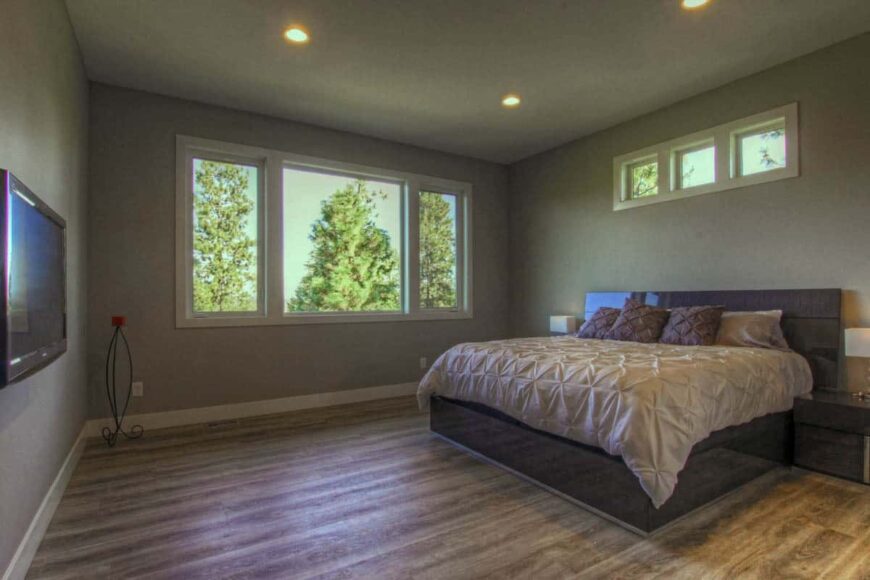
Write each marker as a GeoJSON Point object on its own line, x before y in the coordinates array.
{"type": "Point", "coordinates": [647, 403]}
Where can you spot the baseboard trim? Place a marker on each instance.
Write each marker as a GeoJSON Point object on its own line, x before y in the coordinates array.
{"type": "Point", "coordinates": [164, 419]}
{"type": "Point", "coordinates": [20, 563]}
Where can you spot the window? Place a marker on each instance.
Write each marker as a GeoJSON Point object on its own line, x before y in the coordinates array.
{"type": "Point", "coordinates": [438, 250]}
{"type": "Point", "coordinates": [696, 166]}
{"type": "Point", "coordinates": [761, 150]}
{"type": "Point", "coordinates": [643, 179]}
{"type": "Point", "coordinates": [749, 151]}
{"type": "Point", "coordinates": [266, 237]}
{"type": "Point", "coordinates": [342, 242]}
{"type": "Point", "coordinates": [226, 233]}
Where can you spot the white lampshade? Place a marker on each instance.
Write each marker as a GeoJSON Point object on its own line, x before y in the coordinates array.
{"type": "Point", "coordinates": [566, 324]}
{"type": "Point", "coordinates": [858, 342]}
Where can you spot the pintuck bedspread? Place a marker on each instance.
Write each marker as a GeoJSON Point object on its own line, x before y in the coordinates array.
{"type": "Point", "coordinates": [648, 403]}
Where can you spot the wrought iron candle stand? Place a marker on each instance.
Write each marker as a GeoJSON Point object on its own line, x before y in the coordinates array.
{"type": "Point", "coordinates": [110, 434]}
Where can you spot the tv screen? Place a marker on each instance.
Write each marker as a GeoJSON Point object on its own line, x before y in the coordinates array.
{"type": "Point", "coordinates": [35, 279]}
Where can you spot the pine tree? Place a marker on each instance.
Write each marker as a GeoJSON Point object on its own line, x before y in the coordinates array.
{"type": "Point", "coordinates": [224, 271]}
{"type": "Point", "coordinates": [437, 252]}
{"type": "Point", "coordinates": [353, 266]}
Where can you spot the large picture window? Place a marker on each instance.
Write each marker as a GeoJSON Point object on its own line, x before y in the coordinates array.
{"type": "Point", "coordinates": [267, 237]}
{"type": "Point", "coordinates": [749, 151]}
{"type": "Point", "coordinates": [342, 242]}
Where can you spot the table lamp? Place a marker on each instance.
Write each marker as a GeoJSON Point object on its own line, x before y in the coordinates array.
{"type": "Point", "coordinates": [565, 325]}
{"type": "Point", "coordinates": [858, 345]}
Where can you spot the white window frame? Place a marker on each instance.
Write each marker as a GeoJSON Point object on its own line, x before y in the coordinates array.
{"type": "Point", "coordinates": [724, 140]}
{"type": "Point", "coordinates": [271, 265]}
{"type": "Point", "coordinates": [184, 236]}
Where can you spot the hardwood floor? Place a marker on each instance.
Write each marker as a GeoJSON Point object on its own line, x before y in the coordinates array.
{"type": "Point", "coordinates": [366, 491]}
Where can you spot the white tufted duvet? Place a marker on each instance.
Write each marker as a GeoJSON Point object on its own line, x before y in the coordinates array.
{"type": "Point", "coordinates": [649, 403]}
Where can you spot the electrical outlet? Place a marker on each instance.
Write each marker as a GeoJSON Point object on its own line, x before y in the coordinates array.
{"type": "Point", "coordinates": [424, 364]}
{"type": "Point", "coordinates": [138, 389]}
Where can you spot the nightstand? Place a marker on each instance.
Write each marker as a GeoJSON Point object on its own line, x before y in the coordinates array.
{"type": "Point", "coordinates": [832, 434]}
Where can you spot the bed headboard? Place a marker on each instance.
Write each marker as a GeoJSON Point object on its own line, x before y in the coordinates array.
{"type": "Point", "coordinates": [811, 319]}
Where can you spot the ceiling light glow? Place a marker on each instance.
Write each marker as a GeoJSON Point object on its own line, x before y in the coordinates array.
{"type": "Point", "coordinates": [692, 4]}
{"type": "Point", "coordinates": [511, 101]}
{"type": "Point", "coordinates": [297, 34]}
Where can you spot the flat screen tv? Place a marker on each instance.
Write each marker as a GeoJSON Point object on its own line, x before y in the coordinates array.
{"type": "Point", "coordinates": [33, 286]}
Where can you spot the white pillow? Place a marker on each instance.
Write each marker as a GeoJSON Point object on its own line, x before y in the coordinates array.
{"type": "Point", "coordinates": [759, 329]}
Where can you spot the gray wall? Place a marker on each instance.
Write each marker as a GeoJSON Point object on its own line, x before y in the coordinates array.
{"type": "Point", "coordinates": [132, 272]}
{"type": "Point", "coordinates": [811, 231]}
{"type": "Point", "coordinates": [43, 140]}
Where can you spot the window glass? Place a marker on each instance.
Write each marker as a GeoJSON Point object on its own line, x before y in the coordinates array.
{"type": "Point", "coordinates": [697, 166]}
{"type": "Point", "coordinates": [643, 179]}
{"type": "Point", "coordinates": [761, 151]}
{"type": "Point", "coordinates": [342, 243]}
{"type": "Point", "coordinates": [437, 250]}
{"type": "Point", "coordinates": [225, 237]}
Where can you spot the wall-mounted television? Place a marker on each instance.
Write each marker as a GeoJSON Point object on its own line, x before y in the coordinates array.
{"type": "Point", "coordinates": [33, 285]}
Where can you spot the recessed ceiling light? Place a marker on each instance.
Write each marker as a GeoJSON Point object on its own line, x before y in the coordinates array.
{"type": "Point", "coordinates": [511, 101]}
{"type": "Point", "coordinates": [692, 4]}
{"type": "Point", "coordinates": [297, 34]}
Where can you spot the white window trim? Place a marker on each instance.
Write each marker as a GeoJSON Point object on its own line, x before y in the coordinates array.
{"type": "Point", "coordinates": [271, 274]}
{"type": "Point", "coordinates": [723, 138]}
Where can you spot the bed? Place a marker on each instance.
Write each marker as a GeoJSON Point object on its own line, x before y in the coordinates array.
{"type": "Point", "coordinates": [640, 433]}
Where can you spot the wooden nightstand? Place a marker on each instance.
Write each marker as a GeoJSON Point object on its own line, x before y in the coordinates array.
{"type": "Point", "coordinates": [832, 434]}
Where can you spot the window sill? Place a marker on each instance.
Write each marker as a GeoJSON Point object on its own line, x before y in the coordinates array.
{"type": "Point", "coordinates": [306, 319]}
{"type": "Point", "coordinates": [724, 185]}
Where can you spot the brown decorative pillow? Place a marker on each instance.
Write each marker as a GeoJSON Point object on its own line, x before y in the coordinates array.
{"type": "Point", "coordinates": [692, 325]}
{"type": "Point", "coordinates": [760, 329]}
{"type": "Point", "coordinates": [599, 324]}
{"type": "Point", "coordinates": [638, 322]}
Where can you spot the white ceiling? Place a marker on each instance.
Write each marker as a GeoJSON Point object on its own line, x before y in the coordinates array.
{"type": "Point", "coordinates": [431, 72]}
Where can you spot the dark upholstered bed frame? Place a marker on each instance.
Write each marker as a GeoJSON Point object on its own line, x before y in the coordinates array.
{"type": "Point", "coordinates": [716, 466]}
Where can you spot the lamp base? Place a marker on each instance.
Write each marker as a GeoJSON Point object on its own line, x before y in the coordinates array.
{"type": "Point", "coordinates": [864, 395]}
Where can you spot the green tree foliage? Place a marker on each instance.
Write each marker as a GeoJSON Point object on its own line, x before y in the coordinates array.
{"type": "Point", "coordinates": [644, 180]}
{"type": "Point", "coordinates": [437, 252]}
{"type": "Point", "coordinates": [353, 266]}
{"type": "Point", "coordinates": [225, 262]}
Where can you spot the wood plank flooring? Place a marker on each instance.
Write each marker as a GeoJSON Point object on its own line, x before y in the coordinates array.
{"type": "Point", "coordinates": [365, 491]}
